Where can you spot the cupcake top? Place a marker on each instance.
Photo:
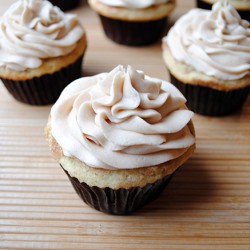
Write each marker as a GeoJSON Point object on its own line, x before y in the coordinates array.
{"type": "Point", "coordinates": [123, 119]}
{"type": "Point", "coordinates": [33, 30]}
{"type": "Point", "coordinates": [216, 42]}
{"type": "Point", "coordinates": [139, 4]}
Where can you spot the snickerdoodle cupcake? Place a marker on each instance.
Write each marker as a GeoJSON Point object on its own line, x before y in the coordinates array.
{"type": "Point", "coordinates": [208, 56]}
{"type": "Point", "coordinates": [134, 23]}
{"type": "Point", "coordinates": [120, 137]}
{"type": "Point", "coordinates": [41, 51]}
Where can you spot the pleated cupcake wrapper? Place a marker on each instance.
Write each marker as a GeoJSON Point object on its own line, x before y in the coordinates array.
{"type": "Point", "coordinates": [45, 89]}
{"type": "Point", "coordinates": [245, 14]}
{"type": "Point", "coordinates": [65, 4]}
{"type": "Point", "coordinates": [209, 101]}
{"type": "Point", "coordinates": [121, 201]}
{"type": "Point", "coordinates": [133, 33]}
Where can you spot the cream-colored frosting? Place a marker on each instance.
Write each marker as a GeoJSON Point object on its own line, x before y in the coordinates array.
{"type": "Point", "coordinates": [216, 43]}
{"type": "Point", "coordinates": [121, 120]}
{"type": "Point", "coordinates": [32, 30]}
{"type": "Point", "coordinates": [138, 4]}
{"type": "Point", "coordinates": [238, 4]}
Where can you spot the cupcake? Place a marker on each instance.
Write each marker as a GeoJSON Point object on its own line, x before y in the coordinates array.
{"type": "Point", "coordinates": [66, 4]}
{"type": "Point", "coordinates": [242, 6]}
{"type": "Point", "coordinates": [120, 137]}
{"type": "Point", "coordinates": [41, 51]}
{"type": "Point", "coordinates": [208, 56]}
{"type": "Point", "coordinates": [133, 23]}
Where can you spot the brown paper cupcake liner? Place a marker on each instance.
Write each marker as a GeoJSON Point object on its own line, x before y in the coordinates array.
{"type": "Point", "coordinates": [45, 89]}
{"type": "Point", "coordinates": [208, 101]}
{"type": "Point", "coordinates": [121, 201]}
{"type": "Point", "coordinates": [66, 4]}
{"type": "Point", "coordinates": [245, 14]}
{"type": "Point", "coordinates": [133, 33]}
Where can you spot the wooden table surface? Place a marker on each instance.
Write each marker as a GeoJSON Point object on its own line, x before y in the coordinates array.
{"type": "Point", "coordinates": [206, 206]}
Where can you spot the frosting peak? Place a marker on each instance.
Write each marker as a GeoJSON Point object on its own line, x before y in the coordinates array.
{"type": "Point", "coordinates": [121, 119]}
{"type": "Point", "coordinates": [31, 30]}
{"type": "Point", "coordinates": [215, 42]}
{"type": "Point", "coordinates": [139, 4]}
{"type": "Point", "coordinates": [227, 19]}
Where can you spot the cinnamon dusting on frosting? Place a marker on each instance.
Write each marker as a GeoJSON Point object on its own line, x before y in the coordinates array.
{"type": "Point", "coordinates": [33, 30]}
{"type": "Point", "coordinates": [122, 119]}
{"type": "Point", "coordinates": [216, 43]}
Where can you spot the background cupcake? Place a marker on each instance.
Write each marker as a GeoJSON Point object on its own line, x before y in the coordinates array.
{"type": "Point", "coordinates": [133, 22]}
{"type": "Point", "coordinates": [208, 57]}
{"type": "Point", "coordinates": [41, 51]}
{"type": "Point", "coordinates": [242, 6]}
{"type": "Point", "coordinates": [65, 4]}
{"type": "Point", "coordinates": [120, 137]}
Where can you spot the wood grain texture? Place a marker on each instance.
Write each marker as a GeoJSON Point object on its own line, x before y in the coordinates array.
{"type": "Point", "coordinates": [206, 206]}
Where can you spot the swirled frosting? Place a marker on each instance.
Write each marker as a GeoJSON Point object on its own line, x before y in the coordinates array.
{"type": "Point", "coordinates": [139, 4]}
{"type": "Point", "coordinates": [121, 120]}
{"type": "Point", "coordinates": [216, 43]}
{"type": "Point", "coordinates": [31, 30]}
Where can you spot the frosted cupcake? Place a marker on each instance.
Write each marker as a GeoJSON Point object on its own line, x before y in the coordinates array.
{"type": "Point", "coordinates": [242, 6]}
{"type": "Point", "coordinates": [41, 51]}
{"type": "Point", "coordinates": [131, 22]}
{"type": "Point", "coordinates": [208, 57]}
{"type": "Point", "coordinates": [120, 137]}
